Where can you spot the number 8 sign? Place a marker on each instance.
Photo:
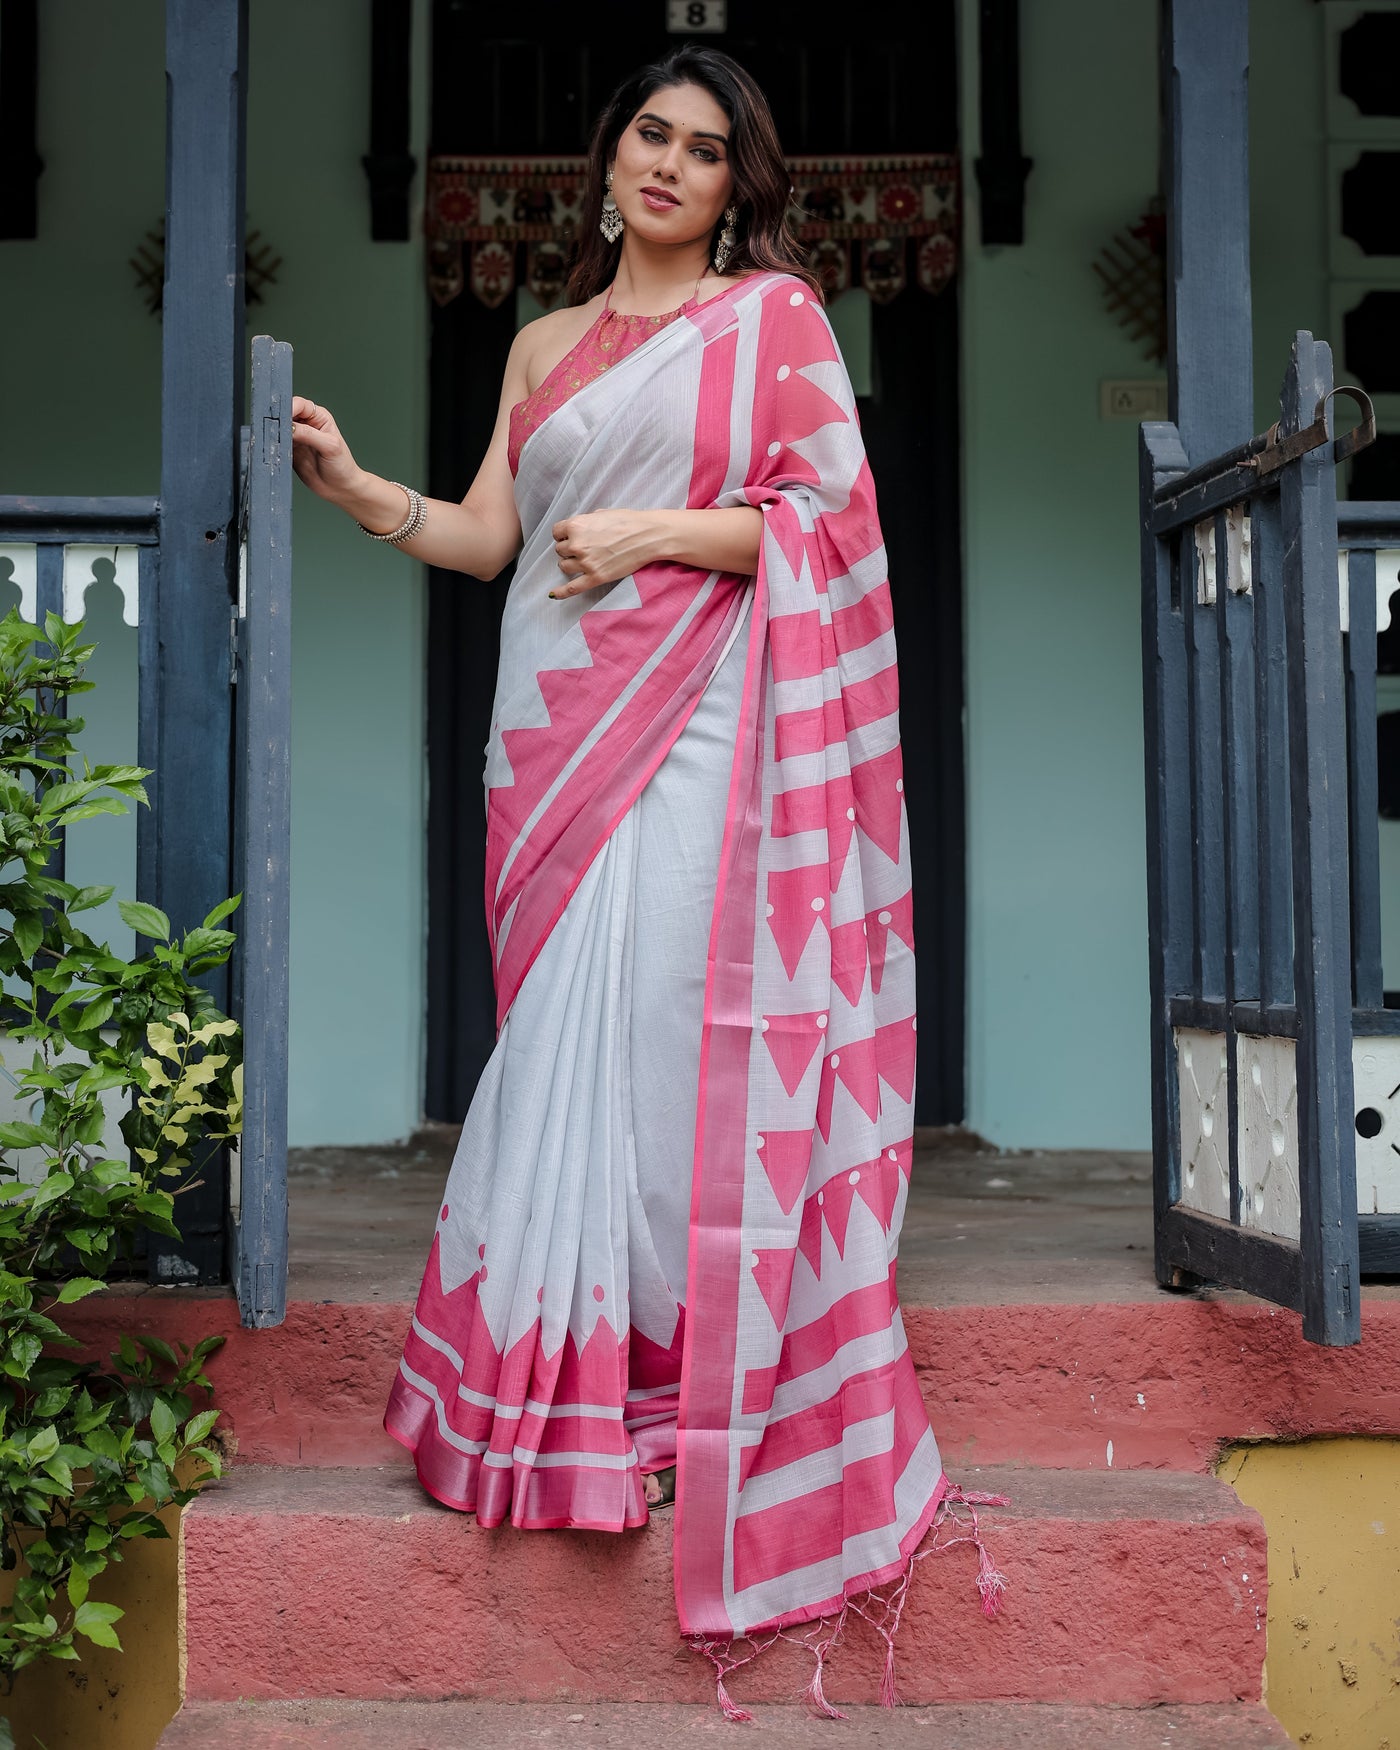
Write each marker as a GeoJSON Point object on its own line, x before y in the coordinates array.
{"type": "Point", "coordinates": [689, 17]}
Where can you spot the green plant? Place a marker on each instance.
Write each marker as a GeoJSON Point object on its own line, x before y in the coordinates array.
{"type": "Point", "coordinates": [90, 1453]}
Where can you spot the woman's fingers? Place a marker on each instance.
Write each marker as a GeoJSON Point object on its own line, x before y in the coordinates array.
{"type": "Point", "coordinates": [306, 412]}
{"type": "Point", "coordinates": [324, 443]}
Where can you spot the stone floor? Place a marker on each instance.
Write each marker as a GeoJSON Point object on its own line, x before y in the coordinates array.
{"type": "Point", "coordinates": [980, 1224]}
{"type": "Point", "coordinates": [488, 1726]}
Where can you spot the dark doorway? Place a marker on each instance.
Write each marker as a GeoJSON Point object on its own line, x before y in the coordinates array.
{"type": "Point", "coordinates": [890, 86]}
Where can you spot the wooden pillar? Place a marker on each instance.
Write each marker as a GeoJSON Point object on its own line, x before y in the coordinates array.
{"type": "Point", "coordinates": [20, 163]}
{"type": "Point", "coordinates": [1205, 161]}
{"type": "Point", "coordinates": [389, 164]}
{"type": "Point", "coordinates": [185, 861]}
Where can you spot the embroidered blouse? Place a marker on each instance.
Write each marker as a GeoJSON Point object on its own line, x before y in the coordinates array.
{"type": "Point", "coordinates": [611, 337]}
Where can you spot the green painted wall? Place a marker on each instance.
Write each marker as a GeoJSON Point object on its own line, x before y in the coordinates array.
{"type": "Point", "coordinates": [1057, 967]}
{"type": "Point", "coordinates": [80, 382]}
{"type": "Point", "coordinates": [1058, 1008]}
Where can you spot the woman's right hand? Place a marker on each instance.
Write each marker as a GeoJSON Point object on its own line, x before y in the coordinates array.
{"type": "Point", "coordinates": [320, 455]}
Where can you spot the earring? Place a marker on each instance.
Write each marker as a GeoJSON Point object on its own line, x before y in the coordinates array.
{"type": "Point", "coordinates": [725, 247]}
{"type": "Point", "coordinates": [610, 223]}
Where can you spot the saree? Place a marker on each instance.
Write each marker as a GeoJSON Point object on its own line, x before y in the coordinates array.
{"type": "Point", "coordinates": [670, 1230]}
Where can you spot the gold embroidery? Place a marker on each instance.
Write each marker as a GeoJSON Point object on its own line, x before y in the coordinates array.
{"type": "Point", "coordinates": [611, 338]}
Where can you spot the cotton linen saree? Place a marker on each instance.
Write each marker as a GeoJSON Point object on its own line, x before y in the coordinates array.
{"type": "Point", "coordinates": [670, 1230]}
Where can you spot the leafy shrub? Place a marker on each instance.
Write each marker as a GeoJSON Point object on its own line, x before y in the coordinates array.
{"type": "Point", "coordinates": [90, 1452]}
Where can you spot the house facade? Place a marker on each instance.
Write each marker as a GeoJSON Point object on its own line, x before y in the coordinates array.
{"type": "Point", "coordinates": [1003, 405]}
{"type": "Point", "coordinates": [1055, 993]}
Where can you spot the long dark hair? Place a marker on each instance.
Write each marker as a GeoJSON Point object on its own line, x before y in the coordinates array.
{"type": "Point", "coordinates": [764, 238]}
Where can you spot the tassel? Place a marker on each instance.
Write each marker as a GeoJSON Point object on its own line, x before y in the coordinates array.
{"type": "Point", "coordinates": [815, 1693]}
{"type": "Point", "coordinates": [889, 1696]}
{"type": "Point", "coordinates": [991, 1582]}
{"type": "Point", "coordinates": [820, 1647]}
{"type": "Point", "coordinates": [727, 1705]}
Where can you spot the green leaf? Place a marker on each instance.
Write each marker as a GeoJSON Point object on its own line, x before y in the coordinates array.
{"type": "Point", "coordinates": [95, 1621]}
{"type": "Point", "coordinates": [146, 920]}
{"type": "Point", "coordinates": [62, 1473]}
{"type": "Point", "coordinates": [97, 1012]}
{"type": "Point", "coordinates": [163, 1420]}
{"type": "Point", "coordinates": [87, 897]}
{"type": "Point", "coordinates": [78, 1288]}
{"type": "Point", "coordinates": [22, 1136]}
{"type": "Point", "coordinates": [55, 1186]}
{"type": "Point", "coordinates": [198, 1426]}
{"type": "Point", "coordinates": [43, 1445]}
{"type": "Point", "coordinates": [203, 941]}
{"type": "Point", "coordinates": [223, 910]}
{"type": "Point", "coordinates": [29, 933]}
{"type": "Point", "coordinates": [162, 1351]}
{"type": "Point", "coordinates": [52, 888]}
{"type": "Point", "coordinates": [94, 806]}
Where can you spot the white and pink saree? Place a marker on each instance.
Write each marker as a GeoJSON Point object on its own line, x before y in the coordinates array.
{"type": "Point", "coordinates": [669, 1233]}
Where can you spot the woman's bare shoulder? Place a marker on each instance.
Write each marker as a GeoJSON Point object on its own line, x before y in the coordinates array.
{"type": "Point", "coordinates": [541, 344]}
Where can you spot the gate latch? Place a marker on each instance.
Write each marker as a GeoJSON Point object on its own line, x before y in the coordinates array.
{"type": "Point", "coordinates": [1278, 451]}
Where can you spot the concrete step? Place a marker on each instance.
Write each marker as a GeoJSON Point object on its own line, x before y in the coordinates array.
{"type": "Point", "coordinates": [306, 1582]}
{"type": "Point", "coordinates": [1155, 1383]}
{"type": "Point", "coordinates": [468, 1725]}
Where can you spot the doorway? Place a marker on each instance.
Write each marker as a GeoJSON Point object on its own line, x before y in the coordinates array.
{"type": "Point", "coordinates": [535, 91]}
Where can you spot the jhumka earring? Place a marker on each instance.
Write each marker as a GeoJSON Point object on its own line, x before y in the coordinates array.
{"type": "Point", "coordinates": [725, 247]}
{"type": "Point", "coordinates": [610, 223]}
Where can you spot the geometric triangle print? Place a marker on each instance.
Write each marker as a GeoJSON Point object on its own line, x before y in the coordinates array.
{"type": "Point", "coordinates": [772, 1271]}
{"type": "Point", "coordinates": [879, 800]}
{"type": "Point", "coordinates": [786, 1156]}
{"type": "Point", "coordinates": [793, 1041]}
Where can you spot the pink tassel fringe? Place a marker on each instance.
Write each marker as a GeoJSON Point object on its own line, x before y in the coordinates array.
{"type": "Point", "coordinates": [883, 1609]}
{"type": "Point", "coordinates": [816, 1696]}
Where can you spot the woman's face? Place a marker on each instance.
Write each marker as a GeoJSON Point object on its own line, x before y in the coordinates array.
{"type": "Point", "coordinates": [671, 176]}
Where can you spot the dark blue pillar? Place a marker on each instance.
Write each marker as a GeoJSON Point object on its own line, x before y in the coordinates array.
{"type": "Point", "coordinates": [186, 708]}
{"type": "Point", "coordinates": [1205, 163]}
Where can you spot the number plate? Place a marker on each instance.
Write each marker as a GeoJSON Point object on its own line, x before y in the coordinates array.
{"type": "Point", "coordinates": [689, 17]}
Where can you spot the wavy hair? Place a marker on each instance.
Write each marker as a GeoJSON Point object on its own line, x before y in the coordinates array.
{"type": "Point", "coordinates": [764, 238]}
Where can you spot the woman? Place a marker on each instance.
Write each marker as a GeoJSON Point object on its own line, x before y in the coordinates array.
{"type": "Point", "coordinates": [664, 1266]}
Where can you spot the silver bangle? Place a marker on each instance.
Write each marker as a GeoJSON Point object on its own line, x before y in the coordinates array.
{"type": "Point", "coordinates": [412, 523]}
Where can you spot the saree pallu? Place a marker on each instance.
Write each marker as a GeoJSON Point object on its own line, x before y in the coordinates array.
{"type": "Point", "coordinates": [576, 1327]}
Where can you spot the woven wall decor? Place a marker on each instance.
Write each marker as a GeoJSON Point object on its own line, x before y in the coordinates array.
{"type": "Point", "coordinates": [260, 267]}
{"type": "Point", "coordinates": [1132, 270]}
{"type": "Point", "coordinates": [872, 222]}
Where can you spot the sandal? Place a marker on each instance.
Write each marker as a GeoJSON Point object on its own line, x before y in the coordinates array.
{"type": "Point", "coordinates": [660, 1488]}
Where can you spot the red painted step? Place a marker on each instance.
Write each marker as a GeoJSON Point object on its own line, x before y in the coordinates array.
{"type": "Point", "coordinates": [301, 1582]}
{"type": "Point", "coordinates": [1161, 1381]}
{"type": "Point", "coordinates": [459, 1725]}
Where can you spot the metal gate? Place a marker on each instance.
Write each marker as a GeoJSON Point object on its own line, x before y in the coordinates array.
{"type": "Point", "coordinates": [1252, 875]}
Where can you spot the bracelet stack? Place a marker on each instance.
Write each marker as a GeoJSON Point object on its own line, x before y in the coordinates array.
{"type": "Point", "coordinates": [412, 523]}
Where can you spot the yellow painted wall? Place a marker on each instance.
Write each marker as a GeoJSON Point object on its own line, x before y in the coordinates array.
{"type": "Point", "coordinates": [95, 1705]}
{"type": "Point", "coordinates": [1332, 1510]}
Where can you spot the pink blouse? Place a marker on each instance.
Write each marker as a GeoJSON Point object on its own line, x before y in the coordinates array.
{"type": "Point", "coordinates": [610, 338]}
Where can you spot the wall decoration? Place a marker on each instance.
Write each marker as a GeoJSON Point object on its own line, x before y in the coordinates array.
{"type": "Point", "coordinates": [862, 218]}
{"type": "Point", "coordinates": [1132, 270]}
{"type": "Point", "coordinates": [260, 267]}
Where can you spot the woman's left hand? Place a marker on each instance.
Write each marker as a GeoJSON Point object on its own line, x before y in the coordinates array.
{"type": "Point", "coordinates": [603, 545]}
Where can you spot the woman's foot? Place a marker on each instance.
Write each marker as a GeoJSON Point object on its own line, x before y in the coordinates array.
{"type": "Point", "coordinates": [660, 1488]}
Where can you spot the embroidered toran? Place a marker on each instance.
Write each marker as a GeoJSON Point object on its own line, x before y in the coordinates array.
{"type": "Point", "coordinates": [611, 337]}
